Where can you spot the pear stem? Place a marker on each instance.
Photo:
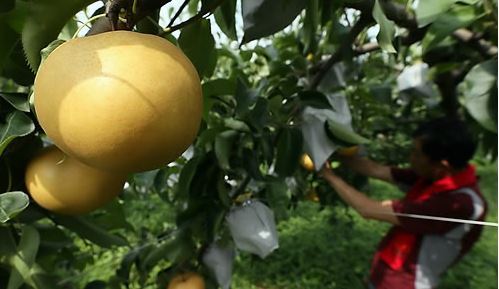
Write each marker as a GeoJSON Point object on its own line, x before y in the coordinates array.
{"type": "Point", "coordinates": [88, 21]}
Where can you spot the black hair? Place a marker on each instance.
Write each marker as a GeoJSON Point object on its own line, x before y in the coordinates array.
{"type": "Point", "coordinates": [447, 139]}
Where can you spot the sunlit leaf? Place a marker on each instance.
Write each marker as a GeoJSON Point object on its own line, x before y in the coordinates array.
{"type": "Point", "coordinates": [223, 147]}
{"type": "Point", "coordinates": [344, 134]}
{"type": "Point", "coordinates": [457, 17]}
{"type": "Point", "coordinates": [18, 100]}
{"type": "Point", "coordinates": [428, 11]}
{"type": "Point", "coordinates": [24, 262]}
{"type": "Point", "coordinates": [54, 14]}
{"type": "Point", "coordinates": [11, 204]}
{"type": "Point", "coordinates": [479, 92]}
{"type": "Point", "coordinates": [310, 25]}
{"type": "Point", "coordinates": [17, 124]}
{"type": "Point", "coordinates": [386, 29]}
{"type": "Point", "coordinates": [225, 18]}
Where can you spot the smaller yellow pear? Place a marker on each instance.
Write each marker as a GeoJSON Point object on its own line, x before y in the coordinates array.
{"type": "Point", "coordinates": [64, 185]}
{"type": "Point", "coordinates": [189, 280]}
{"type": "Point", "coordinates": [348, 151]}
{"type": "Point", "coordinates": [312, 196]}
{"type": "Point", "coordinates": [306, 162]}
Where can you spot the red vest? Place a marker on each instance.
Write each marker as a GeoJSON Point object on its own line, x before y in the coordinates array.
{"type": "Point", "coordinates": [397, 249]}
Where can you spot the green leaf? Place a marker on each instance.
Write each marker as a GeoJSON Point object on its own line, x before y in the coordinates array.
{"type": "Point", "coordinates": [457, 17]}
{"type": "Point", "coordinates": [193, 7]}
{"type": "Point", "coordinates": [87, 229]}
{"type": "Point", "coordinates": [223, 147]}
{"type": "Point", "coordinates": [16, 17]}
{"type": "Point", "coordinates": [198, 44]}
{"type": "Point", "coordinates": [343, 134]}
{"type": "Point", "coordinates": [386, 29]}
{"type": "Point", "coordinates": [146, 25]}
{"type": "Point", "coordinates": [112, 217]}
{"type": "Point", "coordinates": [236, 124]}
{"type": "Point", "coordinates": [9, 39]}
{"type": "Point", "coordinates": [289, 149]}
{"type": "Point", "coordinates": [17, 125]}
{"type": "Point", "coordinates": [96, 284]}
{"type": "Point", "coordinates": [429, 11]}
{"type": "Point", "coordinates": [7, 5]}
{"type": "Point", "coordinates": [69, 30]}
{"type": "Point", "coordinates": [278, 196]}
{"type": "Point", "coordinates": [172, 249]}
{"type": "Point", "coordinates": [216, 87]}
{"type": "Point", "coordinates": [259, 116]}
{"type": "Point", "coordinates": [310, 26]}
{"type": "Point", "coordinates": [251, 163]}
{"type": "Point", "coordinates": [314, 99]}
{"type": "Point", "coordinates": [126, 264]}
{"type": "Point", "coordinates": [225, 18]}
{"type": "Point", "coordinates": [186, 176]}
{"type": "Point", "coordinates": [18, 100]}
{"type": "Point", "coordinates": [220, 86]}
{"type": "Point", "coordinates": [262, 18]}
{"type": "Point", "coordinates": [27, 250]}
{"type": "Point", "coordinates": [16, 67]}
{"type": "Point", "coordinates": [44, 22]}
{"type": "Point", "coordinates": [11, 204]}
{"type": "Point", "coordinates": [7, 242]}
{"type": "Point", "coordinates": [45, 52]}
{"type": "Point", "coordinates": [19, 274]}
{"type": "Point", "coordinates": [28, 245]}
{"type": "Point", "coordinates": [245, 97]}
{"type": "Point", "coordinates": [478, 93]}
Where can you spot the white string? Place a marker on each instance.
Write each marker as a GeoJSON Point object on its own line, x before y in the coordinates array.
{"type": "Point", "coordinates": [464, 221]}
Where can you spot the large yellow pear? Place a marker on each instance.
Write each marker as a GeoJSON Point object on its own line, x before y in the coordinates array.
{"type": "Point", "coordinates": [121, 100]}
{"type": "Point", "coordinates": [64, 185]}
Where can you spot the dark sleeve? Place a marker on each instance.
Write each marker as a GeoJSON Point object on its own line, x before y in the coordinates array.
{"type": "Point", "coordinates": [405, 177]}
{"type": "Point", "coordinates": [447, 205]}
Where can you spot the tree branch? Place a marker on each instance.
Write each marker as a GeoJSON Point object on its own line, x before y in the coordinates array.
{"type": "Point", "coordinates": [398, 13]}
{"type": "Point", "coordinates": [485, 48]}
{"type": "Point", "coordinates": [346, 45]}
{"type": "Point", "coordinates": [194, 18]}
{"type": "Point", "coordinates": [177, 14]}
{"type": "Point", "coordinates": [114, 8]}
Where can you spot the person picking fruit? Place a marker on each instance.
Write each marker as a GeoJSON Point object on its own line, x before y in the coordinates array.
{"type": "Point", "coordinates": [434, 224]}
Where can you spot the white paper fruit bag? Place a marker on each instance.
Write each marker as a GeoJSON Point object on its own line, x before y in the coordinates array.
{"type": "Point", "coordinates": [253, 228]}
{"type": "Point", "coordinates": [220, 260]}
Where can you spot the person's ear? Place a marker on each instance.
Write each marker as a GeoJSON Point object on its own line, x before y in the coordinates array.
{"type": "Point", "coordinates": [445, 164]}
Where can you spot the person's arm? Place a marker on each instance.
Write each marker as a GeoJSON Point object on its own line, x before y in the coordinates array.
{"type": "Point", "coordinates": [366, 207]}
{"type": "Point", "coordinates": [368, 168]}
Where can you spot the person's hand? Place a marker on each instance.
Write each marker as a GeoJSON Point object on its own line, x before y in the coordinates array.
{"type": "Point", "coordinates": [326, 171]}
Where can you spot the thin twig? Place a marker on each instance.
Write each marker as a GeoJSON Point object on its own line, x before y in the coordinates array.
{"type": "Point", "coordinates": [177, 14]}
{"type": "Point", "coordinates": [194, 18]}
{"type": "Point", "coordinates": [85, 24]}
{"type": "Point", "coordinates": [338, 55]}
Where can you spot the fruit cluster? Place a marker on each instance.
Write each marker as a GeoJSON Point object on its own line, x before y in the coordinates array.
{"type": "Point", "coordinates": [113, 104]}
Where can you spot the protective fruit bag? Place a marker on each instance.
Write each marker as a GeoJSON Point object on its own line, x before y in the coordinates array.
{"type": "Point", "coordinates": [220, 260]}
{"type": "Point", "coordinates": [253, 228]}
